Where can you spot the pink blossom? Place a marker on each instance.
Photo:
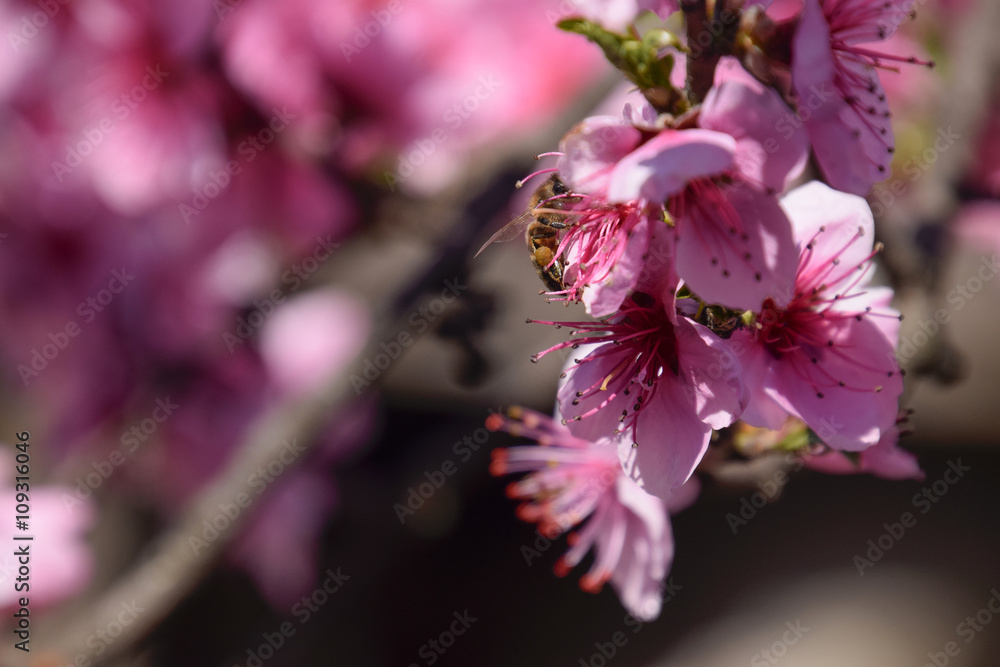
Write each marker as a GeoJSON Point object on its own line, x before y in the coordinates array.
{"type": "Point", "coordinates": [572, 479]}
{"type": "Point", "coordinates": [734, 242]}
{"type": "Point", "coordinates": [743, 133]}
{"type": "Point", "coordinates": [621, 199]}
{"type": "Point", "coordinates": [618, 15]}
{"type": "Point", "coordinates": [884, 459]}
{"type": "Point", "coordinates": [768, 154]}
{"type": "Point", "coordinates": [833, 74]}
{"type": "Point", "coordinates": [825, 352]}
{"type": "Point", "coordinates": [657, 382]}
{"type": "Point", "coordinates": [311, 338]}
{"type": "Point", "coordinates": [605, 248]}
{"type": "Point", "coordinates": [609, 156]}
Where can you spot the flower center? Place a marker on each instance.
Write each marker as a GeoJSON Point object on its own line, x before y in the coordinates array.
{"type": "Point", "coordinates": [594, 243]}
{"type": "Point", "coordinates": [785, 330]}
{"type": "Point", "coordinates": [638, 346]}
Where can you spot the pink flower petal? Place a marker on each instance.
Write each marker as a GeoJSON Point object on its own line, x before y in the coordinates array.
{"type": "Point", "coordinates": [670, 442]}
{"type": "Point", "coordinates": [757, 364]}
{"type": "Point", "coordinates": [813, 64]}
{"type": "Point", "coordinates": [839, 226]}
{"type": "Point", "coordinates": [665, 164]}
{"type": "Point", "coordinates": [713, 374]}
{"type": "Point", "coordinates": [644, 563]}
{"type": "Point", "coordinates": [591, 149]}
{"type": "Point", "coordinates": [771, 151]}
{"type": "Point", "coordinates": [604, 299]}
{"type": "Point", "coordinates": [850, 417]}
{"type": "Point", "coordinates": [735, 245]}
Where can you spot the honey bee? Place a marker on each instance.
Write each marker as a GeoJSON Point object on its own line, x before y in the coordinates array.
{"type": "Point", "coordinates": [540, 225]}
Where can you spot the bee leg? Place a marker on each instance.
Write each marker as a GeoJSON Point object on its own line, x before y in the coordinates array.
{"type": "Point", "coordinates": [540, 234]}
{"type": "Point", "coordinates": [550, 275]}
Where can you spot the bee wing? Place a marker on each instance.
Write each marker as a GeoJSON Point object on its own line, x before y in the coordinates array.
{"type": "Point", "coordinates": [511, 230]}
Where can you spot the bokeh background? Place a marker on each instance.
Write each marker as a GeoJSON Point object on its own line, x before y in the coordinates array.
{"type": "Point", "coordinates": [236, 243]}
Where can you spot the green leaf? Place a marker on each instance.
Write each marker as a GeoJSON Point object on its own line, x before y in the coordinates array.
{"type": "Point", "coordinates": [638, 59]}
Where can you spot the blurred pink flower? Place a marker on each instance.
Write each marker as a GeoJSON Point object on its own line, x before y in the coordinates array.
{"type": "Point", "coordinates": [123, 105]}
{"type": "Point", "coordinates": [312, 338]}
{"type": "Point", "coordinates": [572, 479]}
{"type": "Point", "coordinates": [910, 90]}
{"type": "Point", "coordinates": [977, 225]}
{"type": "Point", "coordinates": [425, 86]}
{"type": "Point", "coordinates": [618, 15]}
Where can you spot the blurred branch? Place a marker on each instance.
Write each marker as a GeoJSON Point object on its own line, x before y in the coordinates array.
{"type": "Point", "coordinates": [973, 62]}
{"type": "Point", "coordinates": [700, 69]}
{"type": "Point", "coordinates": [170, 568]}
